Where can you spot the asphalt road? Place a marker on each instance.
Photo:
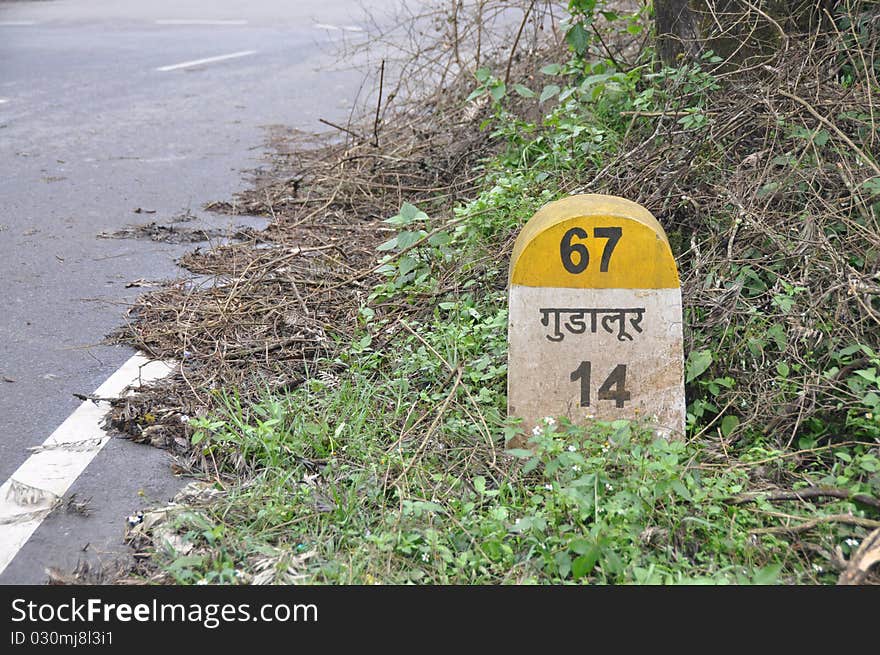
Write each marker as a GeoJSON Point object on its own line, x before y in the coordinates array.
{"type": "Point", "coordinates": [102, 113]}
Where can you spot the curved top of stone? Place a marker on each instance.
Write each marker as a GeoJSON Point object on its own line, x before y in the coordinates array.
{"type": "Point", "coordinates": [640, 259]}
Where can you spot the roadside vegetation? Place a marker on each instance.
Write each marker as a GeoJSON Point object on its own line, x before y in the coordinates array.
{"type": "Point", "coordinates": [342, 392]}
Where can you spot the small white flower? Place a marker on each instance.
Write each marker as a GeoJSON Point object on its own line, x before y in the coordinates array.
{"type": "Point", "coordinates": [576, 468]}
{"type": "Point", "coordinates": [184, 418]}
{"type": "Point", "coordinates": [548, 487]}
{"type": "Point", "coordinates": [817, 568]}
{"type": "Point", "coordinates": [869, 416]}
{"type": "Point", "coordinates": [589, 417]}
{"type": "Point", "coordinates": [536, 430]}
{"type": "Point", "coordinates": [202, 581]}
{"type": "Point", "coordinates": [572, 448]}
{"type": "Point", "coordinates": [851, 542]}
{"type": "Point", "coordinates": [604, 449]}
{"type": "Point", "coordinates": [425, 557]}
{"type": "Point", "coordinates": [549, 421]}
{"type": "Point", "coordinates": [608, 487]}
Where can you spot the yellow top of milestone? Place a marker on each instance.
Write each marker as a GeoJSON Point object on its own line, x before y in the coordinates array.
{"type": "Point", "coordinates": [593, 241]}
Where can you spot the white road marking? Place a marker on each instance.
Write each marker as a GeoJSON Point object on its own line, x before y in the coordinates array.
{"type": "Point", "coordinates": [198, 21]}
{"type": "Point", "coordinates": [345, 28]}
{"type": "Point", "coordinates": [208, 60]}
{"type": "Point", "coordinates": [17, 23]}
{"type": "Point", "coordinates": [41, 481]}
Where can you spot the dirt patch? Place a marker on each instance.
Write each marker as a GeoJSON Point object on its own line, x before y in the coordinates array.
{"type": "Point", "coordinates": [174, 231]}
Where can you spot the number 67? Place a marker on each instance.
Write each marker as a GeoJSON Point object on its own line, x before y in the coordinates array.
{"type": "Point", "coordinates": [567, 248]}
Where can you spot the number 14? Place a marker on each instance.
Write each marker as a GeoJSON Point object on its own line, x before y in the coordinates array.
{"type": "Point", "coordinates": [614, 387]}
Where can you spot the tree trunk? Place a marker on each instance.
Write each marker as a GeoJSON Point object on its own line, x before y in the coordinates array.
{"type": "Point", "coordinates": [677, 31]}
{"type": "Point", "coordinates": [736, 29]}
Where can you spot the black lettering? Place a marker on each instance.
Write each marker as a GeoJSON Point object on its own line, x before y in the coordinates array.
{"type": "Point", "coordinates": [566, 249]}
{"type": "Point", "coordinates": [617, 381]}
{"type": "Point", "coordinates": [582, 373]}
{"type": "Point", "coordinates": [613, 235]}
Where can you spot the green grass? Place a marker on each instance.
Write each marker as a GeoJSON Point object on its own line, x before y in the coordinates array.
{"type": "Point", "coordinates": [393, 469]}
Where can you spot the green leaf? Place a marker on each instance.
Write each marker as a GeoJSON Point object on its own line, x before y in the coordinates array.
{"type": "Point", "coordinates": [407, 264]}
{"type": "Point", "coordinates": [567, 93]}
{"type": "Point", "coordinates": [768, 575]}
{"type": "Point", "coordinates": [872, 186]}
{"type": "Point", "coordinates": [870, 374]}
{"type": "Point", "coordinates": [697, 363]}
{"type": "Point", "coordinates": [851, 349]}
{"type": "Point", "coordinates": [611, 562]}
{"type": "Point", "coordinates": [406, 239]}
{"type": "Point", "coordinates": [498, 91]}
{"type": "Point", "coordinates": [869, 463]}
{"type": "Point", "coordinates": [522, 525]}
{"type": "Point", "coordinates": [767, 189]}
{"type": "Point", "coordinates": [563, 564]}
{"type": "Point", "coordinates": [391, 244]}
{"type": "Point", "coordinates": [679, 488]}
{"type": "Point", "coordinates": [524, 91]}
{"type": "Point", "coordinates": [821, 138]}
{"type": "Point", "coordinates": [522, 453]}
{"type": "Point", "coordinates": [387, 269]}
{"type": "Point", "coordinates": [428, 506]}
{"type": "Point", "coordinates": [578, 38]}
{"type": "Point", "coordinates": [408, 214]}
{"type": "Point", "coordinates": [782, 369]}
{"type": "Point", "coordinates": [531, 465]}
{"type": "Point", "coordinates": [584, 564]}
{"type": "Point", "coordinates": [777, 333]}
{"type": "Point", "coordinates": [185, 561]}
{"type": "Point", "coordinates": [784, 302]}
{"type": "Point", "coordinates": [590, 80]}
{"type": "Point", "coordinates": [439, 239]}
{"type": "Point", "coordinates": [476, 93]}
{"type": "Point", "coordinates": [552, 69]}
{"type": "Point", "coordinates": [549, 91]}
{"type": "Point", "coordinates": [197, 438]}
{"type": "Point", "coordinates": [729, 424]}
